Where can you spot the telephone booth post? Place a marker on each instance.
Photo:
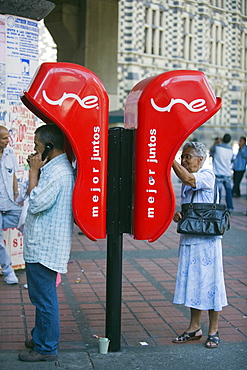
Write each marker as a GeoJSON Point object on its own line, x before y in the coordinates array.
{"type": "Point", "coordinates": [119, 217]}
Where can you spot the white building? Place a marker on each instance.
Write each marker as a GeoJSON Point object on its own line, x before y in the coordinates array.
{"type": "Point", "coordinates": [209, 35]}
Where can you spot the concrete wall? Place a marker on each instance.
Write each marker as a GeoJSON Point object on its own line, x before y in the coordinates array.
{"type": "Point", "coordinates": [86, 33]}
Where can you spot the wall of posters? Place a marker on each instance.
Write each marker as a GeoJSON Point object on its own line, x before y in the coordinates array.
{"type": "Point", "coordinates": [19, 59]}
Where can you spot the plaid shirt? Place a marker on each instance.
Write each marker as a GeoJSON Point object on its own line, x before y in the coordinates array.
{"type": "Point", "coordinates": [49, 222]}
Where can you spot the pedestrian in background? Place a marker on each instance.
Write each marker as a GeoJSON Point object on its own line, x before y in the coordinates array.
{"type": "Point", "coordinates": [47, 238]}
{"type": "Point", "coordinates": [239, 167]}
{"type": "Point", "coordinates": [9, 210]}
{"type": "Point", "coordinates": [222, 155]}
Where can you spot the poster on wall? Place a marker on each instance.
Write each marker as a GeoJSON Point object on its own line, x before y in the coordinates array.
{"type": "Point", "coordinates": [19, 59]}
{"type": "Point", "coordinates": [22, 54]}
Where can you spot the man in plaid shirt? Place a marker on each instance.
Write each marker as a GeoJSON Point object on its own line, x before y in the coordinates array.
{"type": "Point", "coordinates": [47, 237]}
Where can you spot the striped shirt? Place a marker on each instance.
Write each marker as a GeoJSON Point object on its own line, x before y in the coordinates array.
{"type": "Point", "coordinates": [49, 222]}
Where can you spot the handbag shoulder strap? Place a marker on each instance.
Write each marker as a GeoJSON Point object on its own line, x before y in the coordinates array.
{"type": "Point", "coordinates": [215, 193]}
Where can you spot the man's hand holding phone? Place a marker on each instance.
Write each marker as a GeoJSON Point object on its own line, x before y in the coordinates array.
{"type": "Point", "coordinates": [35, 161]}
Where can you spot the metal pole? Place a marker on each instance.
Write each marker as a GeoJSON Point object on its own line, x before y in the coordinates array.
{"type": "Point", "coordinates": [119, 220]}
{"type": "Point", "coordinates": [114, 291]}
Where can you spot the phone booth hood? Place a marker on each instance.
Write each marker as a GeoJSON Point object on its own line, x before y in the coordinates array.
{"type": "Point", "coordinates": [164, 110]}
{"type": "Point", "coordinates": [73, 97]}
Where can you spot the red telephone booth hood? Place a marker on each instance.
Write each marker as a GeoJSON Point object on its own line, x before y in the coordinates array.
{"type": "Point", "coordinates": [165, 110]}
{"type": "Point", "coordinates": [74, 98]}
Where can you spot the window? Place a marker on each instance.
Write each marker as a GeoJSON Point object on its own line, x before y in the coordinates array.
{"type": "Point", "coordinates": [243, 51]}
{"type": "Point", "coordinates": [217, 44]}
{"type": "Point", "coordinates": [188, 40]}
{"type": "Point", "coordinates": [244, 7]}
{"type": "Point", "coordinates": [218, 118]}
{"type": "Point", "coordinates": [154, 31]}
{"type": "Point", "coordinates": [243, 119]}
{"type": "Point", "coordinates": [218, 3]}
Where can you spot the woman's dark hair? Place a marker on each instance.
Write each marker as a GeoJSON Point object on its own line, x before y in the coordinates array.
{"type": "Point", "coordinates": [51, 133]}
{"type": "Point", "coordinates": [226, 138]}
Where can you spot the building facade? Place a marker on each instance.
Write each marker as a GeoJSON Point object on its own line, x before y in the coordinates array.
{"type": "Point", "coordinates": [209, 35]}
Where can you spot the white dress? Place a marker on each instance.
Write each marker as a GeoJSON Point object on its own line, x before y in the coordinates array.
{"type": "Point", "coordinates": [200, 280]}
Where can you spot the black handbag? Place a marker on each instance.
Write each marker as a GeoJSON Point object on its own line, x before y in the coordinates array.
{"type": "Point", "coordinates": [204, 218]}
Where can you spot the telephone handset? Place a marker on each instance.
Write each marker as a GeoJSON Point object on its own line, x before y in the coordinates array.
{"type": "Point", "coordinates": [48, 148]}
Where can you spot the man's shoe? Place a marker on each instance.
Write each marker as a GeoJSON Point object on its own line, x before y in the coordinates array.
{"type": "Point", "coordinates": [33, 356]}
{"type": "Point", "coordinates": [29, 343]}
{"type": "Point", "coordinates": [11, 278]}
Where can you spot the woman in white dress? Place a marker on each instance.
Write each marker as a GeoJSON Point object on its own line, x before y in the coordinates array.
{"type": "Point", "coordinates": [200, 280]}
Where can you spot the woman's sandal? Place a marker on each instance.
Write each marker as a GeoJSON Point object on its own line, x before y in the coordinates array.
{"type": "Point", "coordinates": [185, 337]}
{"type": "Point", "coordinates": [215, 339]}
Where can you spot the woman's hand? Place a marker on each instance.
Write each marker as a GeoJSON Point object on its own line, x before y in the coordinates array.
{"type": "Point", "coordinates": [177, 216]}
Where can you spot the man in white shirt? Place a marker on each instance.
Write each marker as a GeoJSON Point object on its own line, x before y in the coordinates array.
{"type": "Point", "coordinates": [9, 210]}
{"type": "Point", "coordinates": [222, 165]}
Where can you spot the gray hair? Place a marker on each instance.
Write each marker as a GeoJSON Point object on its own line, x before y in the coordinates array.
{"type": "Point", "coordinates": [198, 149]}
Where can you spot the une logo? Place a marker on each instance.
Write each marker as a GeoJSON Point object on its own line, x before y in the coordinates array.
{"type": "Point", "coordinates": [195, 106]}
{"type": "Point", "coordinates": [89, 102]}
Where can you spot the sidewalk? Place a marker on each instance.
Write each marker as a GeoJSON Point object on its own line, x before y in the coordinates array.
{"type": "Point", "coordinates": [149, 319]}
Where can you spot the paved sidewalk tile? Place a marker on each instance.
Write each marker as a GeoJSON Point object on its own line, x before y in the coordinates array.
{"type": "Point", "coordinates": [149, 273]}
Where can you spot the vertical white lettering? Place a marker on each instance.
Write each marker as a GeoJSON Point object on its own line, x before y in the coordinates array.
{"type": "Point", "coordinates": [95, 211]}
{"type": "Point", "coordinates": [151, 212]}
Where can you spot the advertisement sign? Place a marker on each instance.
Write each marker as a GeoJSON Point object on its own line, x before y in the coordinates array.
{"type": "Point", "coordinates": [13, 239]}
{"type": "Point", "coordinates": [164, 110]}
{"type": "Point", "coordinates": [22, 54]}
